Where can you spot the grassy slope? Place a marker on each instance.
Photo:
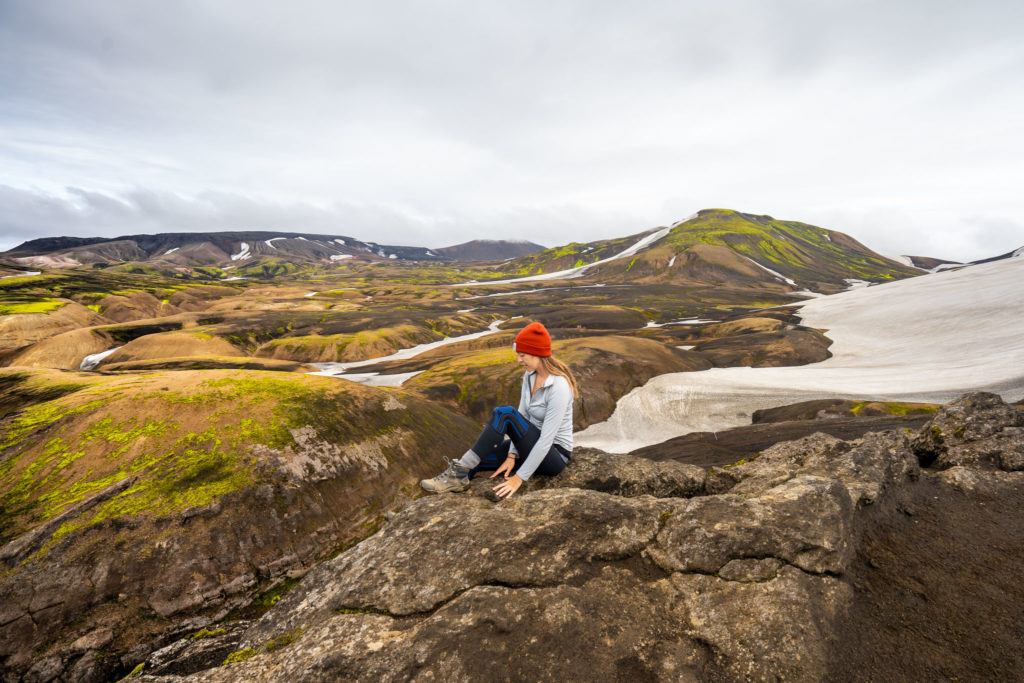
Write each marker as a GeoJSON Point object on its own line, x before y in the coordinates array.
{"type": "Point", "coordinates": [803, 252]}
{"type": "Point", "coordinates": [570, 255]}
{"type": "Point", "coordinates": [188, 437]}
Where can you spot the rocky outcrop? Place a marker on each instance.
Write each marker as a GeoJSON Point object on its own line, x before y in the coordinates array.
{"type": "Point", "coordinates": [619, 568]}
{"type": "Point", "coordinates": [977, 430]}
{"type": "Point", "coordinates": [623, 568]}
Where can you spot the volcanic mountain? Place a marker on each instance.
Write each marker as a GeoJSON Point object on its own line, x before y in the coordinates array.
{"type": "Point", "coordinates": [722, 246]}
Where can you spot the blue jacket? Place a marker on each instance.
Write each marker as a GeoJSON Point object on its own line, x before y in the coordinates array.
{"type": "Point", "coordinates": [550, 410]}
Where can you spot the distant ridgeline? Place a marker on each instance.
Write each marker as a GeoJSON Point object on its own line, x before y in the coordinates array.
{"type": "Point", "coordinates": [714, 247]}
{"type": "Point", "coordinates": [220, 248]}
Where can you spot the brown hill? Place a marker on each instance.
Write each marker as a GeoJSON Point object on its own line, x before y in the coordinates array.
{"type": "Point", "coordinates": [489, 250]}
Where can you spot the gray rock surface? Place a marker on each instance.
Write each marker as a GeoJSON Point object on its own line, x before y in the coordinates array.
{"type": "Point", "coordinates": [625, 569]}
{"type": "Point", "coordinates": [674, 579]}
{"type": "Point", "coordinates": [977, 429]}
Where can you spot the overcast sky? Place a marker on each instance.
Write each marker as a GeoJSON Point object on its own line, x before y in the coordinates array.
{"type": "Point", "coordinates": [430, 123]}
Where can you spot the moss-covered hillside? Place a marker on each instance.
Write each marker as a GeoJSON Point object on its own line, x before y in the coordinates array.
{"type": "Point", "coordinates": [565, 256]}
{"type": "Point", "coordinates": [732, 246]}
{"type": "Point", "coordinates": [726, 247]}
{"type": "Point", "coordinates": [194, 489]}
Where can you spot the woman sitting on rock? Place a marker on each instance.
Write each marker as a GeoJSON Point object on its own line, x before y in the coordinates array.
{"type": "Point", "coordinates": [540, 431]}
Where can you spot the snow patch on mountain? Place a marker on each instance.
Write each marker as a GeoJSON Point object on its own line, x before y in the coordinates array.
{"type": "Point", "coordinates": [907, 261]}
{"type": "Point", "coordinates": [93, 359]}
{"type": "Point", "coordinates": [242, 254]}
{"type": "Point", "coordinates": [778, 275]}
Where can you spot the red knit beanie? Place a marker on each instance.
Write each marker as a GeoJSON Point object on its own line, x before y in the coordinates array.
{"type": "Point", "coordinates": [534, 340]}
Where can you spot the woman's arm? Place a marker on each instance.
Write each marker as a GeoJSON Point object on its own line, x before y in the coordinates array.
{"type": "Point", "coordinates": [558, 399]}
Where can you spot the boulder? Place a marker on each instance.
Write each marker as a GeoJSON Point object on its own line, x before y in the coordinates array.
{"type": "Point", "coordinates": [978, 429]}
{"type": "Point", "coordinates": [627, 475]}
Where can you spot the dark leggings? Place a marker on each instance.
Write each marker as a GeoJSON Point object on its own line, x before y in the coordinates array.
{"type": "Point", "coordinates": [493, 448]}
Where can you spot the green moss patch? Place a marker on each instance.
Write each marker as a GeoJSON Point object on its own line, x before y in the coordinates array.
{"type": "Point", "coordinates": [893, 408]}
{"type": "Point", "coordinates": [208, 633]}
{"type": "Point", "coordinates": [239, 656]}
{"type": "Point", "coordinates": [40, 306]}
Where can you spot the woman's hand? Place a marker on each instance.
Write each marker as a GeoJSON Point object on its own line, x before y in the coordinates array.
{"type": "Point", "coordinates": [507, 488]}
{"type": "Point", "coordinates": [506, 467]}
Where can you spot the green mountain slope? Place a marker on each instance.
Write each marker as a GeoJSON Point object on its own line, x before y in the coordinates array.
{"type": "Point", "coordinates": [727, 247]}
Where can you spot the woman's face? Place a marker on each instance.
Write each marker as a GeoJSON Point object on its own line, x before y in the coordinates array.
{"type": "Point", "coordinates": [528, 361]}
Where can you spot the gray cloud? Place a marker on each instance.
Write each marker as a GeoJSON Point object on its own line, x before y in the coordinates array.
{"type": "Point", "coordinates": [429, 123]}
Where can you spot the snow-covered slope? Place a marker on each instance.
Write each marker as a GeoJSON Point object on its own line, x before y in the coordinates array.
{"type": "Point", "coordinates": [928, 338]}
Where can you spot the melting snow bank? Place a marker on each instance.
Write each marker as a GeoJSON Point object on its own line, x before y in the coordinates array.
{"type": "Point", "coordinates": [339, 369]}
{"type": "Point", "coordinates": [375, 379]}
{"type": "Point", "coordinates": [927, 338]}
{"type": "Point", "coordinates": [91, 361]}
{"type": "Point", "coordinates": [27, 273]}
{"type": "Point", "coordinates": [687, 321]}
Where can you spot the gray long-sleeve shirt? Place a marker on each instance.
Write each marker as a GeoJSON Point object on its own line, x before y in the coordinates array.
{"type": "Point", "coordinates": [550, 410]}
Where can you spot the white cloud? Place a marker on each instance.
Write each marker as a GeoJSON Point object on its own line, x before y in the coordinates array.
{"type": "Point", "coordinates": [899, 122]}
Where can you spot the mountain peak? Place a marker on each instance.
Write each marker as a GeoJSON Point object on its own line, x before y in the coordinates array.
{"type": "Point", "coordinates": [489, 250]}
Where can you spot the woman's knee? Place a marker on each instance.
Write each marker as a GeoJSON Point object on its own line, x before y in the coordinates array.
{"type": "Point", "coordinates": [501, 414]}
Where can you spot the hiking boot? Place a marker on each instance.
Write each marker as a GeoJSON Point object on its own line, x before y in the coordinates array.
{"type": "Point", "coordinates": [454, 478]}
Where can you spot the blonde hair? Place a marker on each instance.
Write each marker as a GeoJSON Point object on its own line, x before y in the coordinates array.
{"type": "Point", "coordinates": [556, 367]}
